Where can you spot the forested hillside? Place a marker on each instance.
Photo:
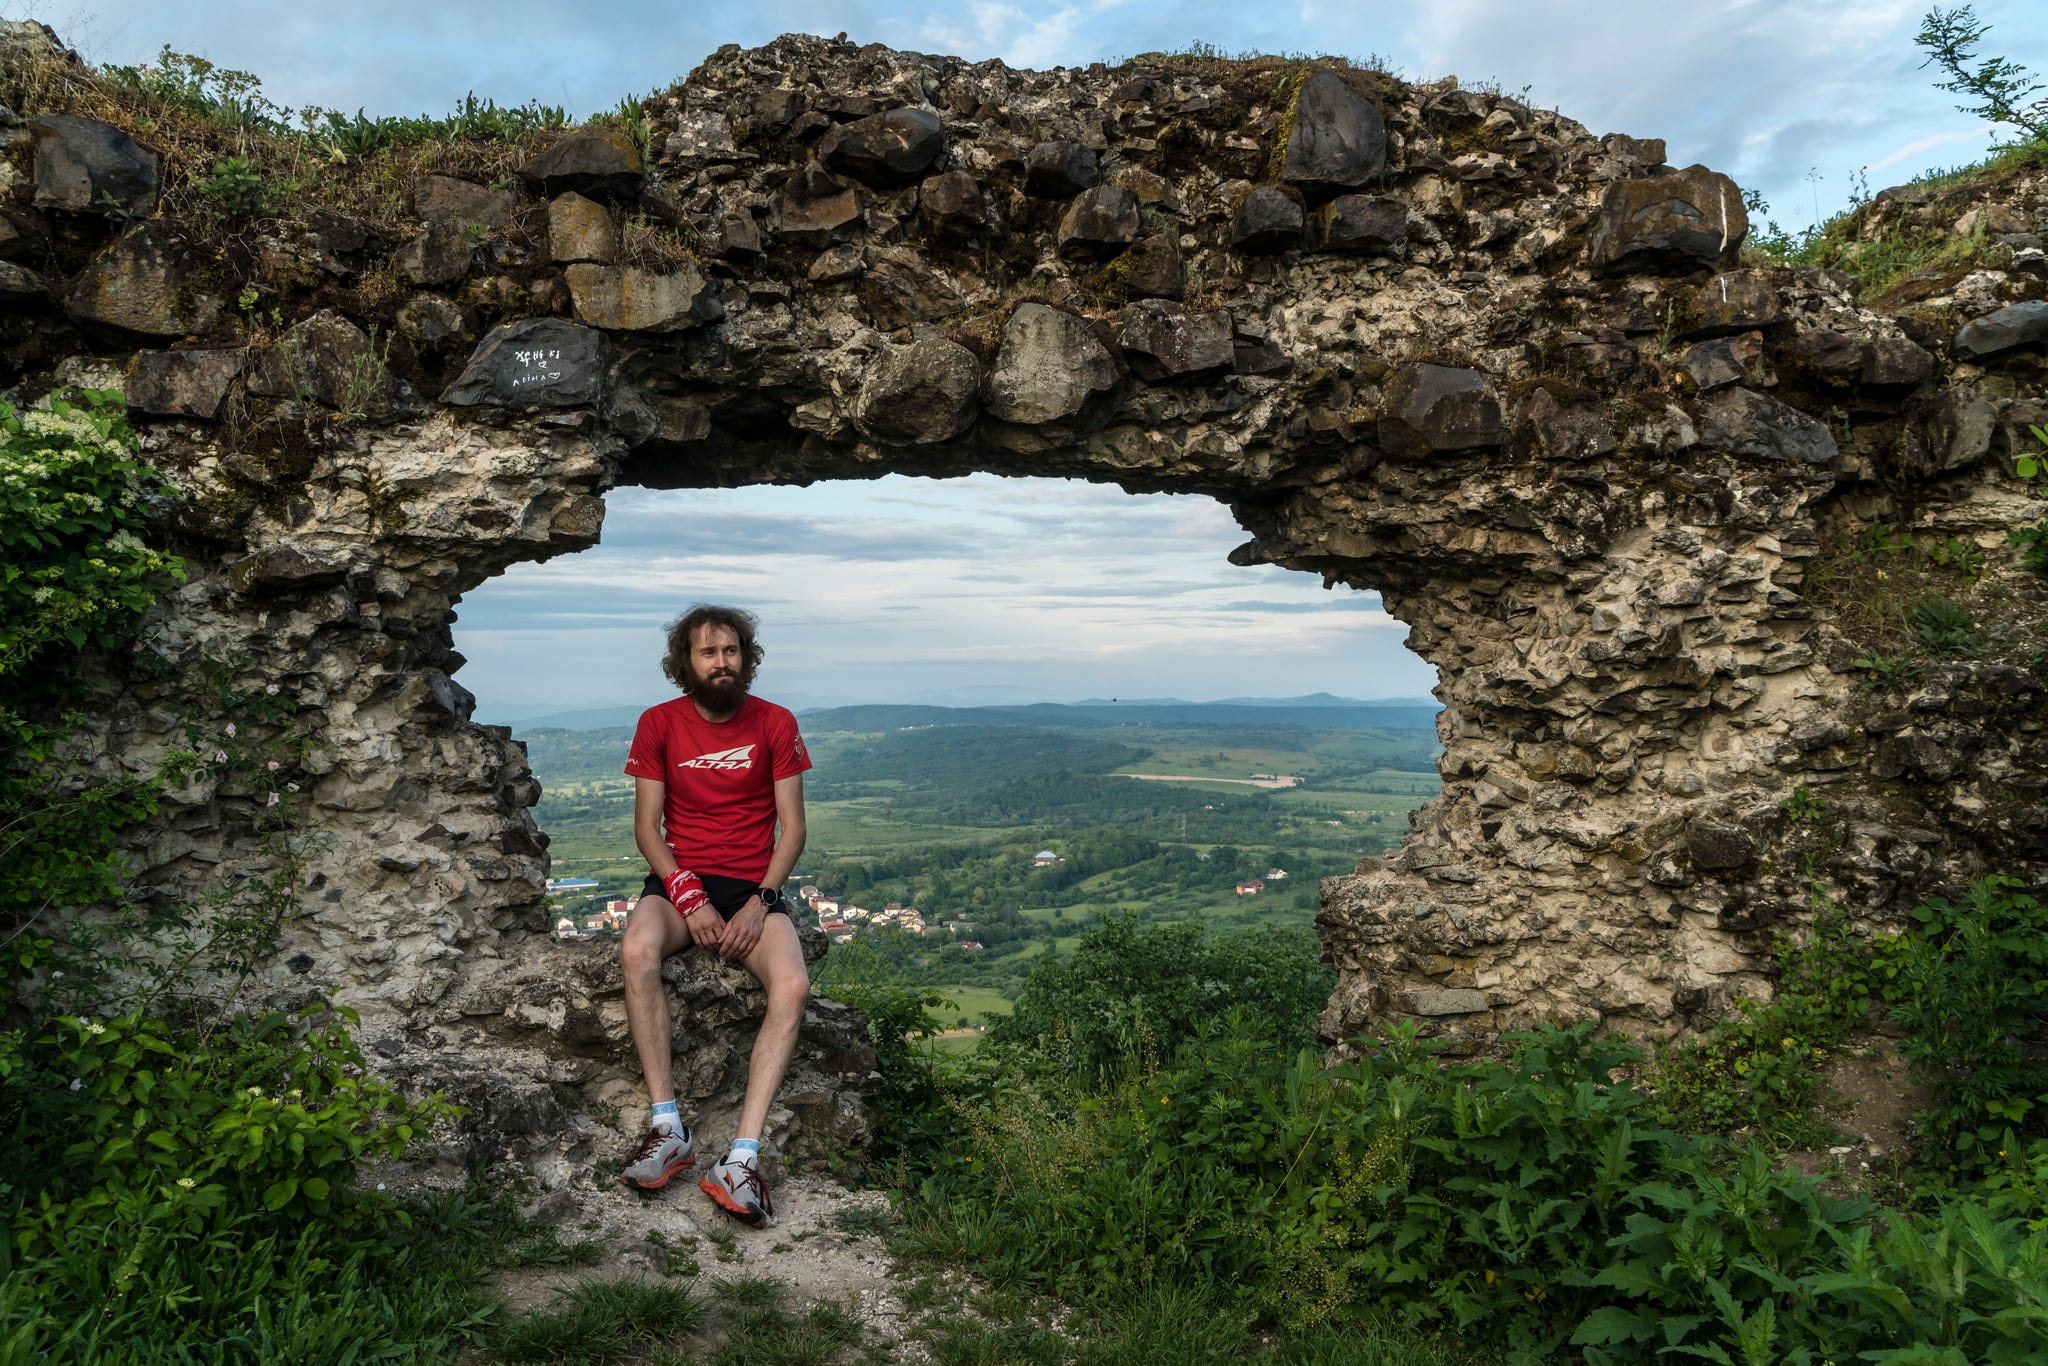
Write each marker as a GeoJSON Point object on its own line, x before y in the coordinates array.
{"type": "Point", "coordinates": [946, 810]}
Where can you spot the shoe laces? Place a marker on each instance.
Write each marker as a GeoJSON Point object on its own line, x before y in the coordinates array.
{"type": "Point", "coordinates": [747, 1177]}
{"type": "Point", "coordinates": [652, 1143]}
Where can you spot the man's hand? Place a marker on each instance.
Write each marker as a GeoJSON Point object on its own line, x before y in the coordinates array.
{"type": "Point", "coordinates": [743, 931]}
{"type": "Point", "coordinates": [707, 927]}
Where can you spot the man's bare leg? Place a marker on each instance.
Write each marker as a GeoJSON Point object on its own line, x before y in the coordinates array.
{"type": "Point", "coordinates": [778, 962]}
{"type": "Point", "coordinates": [653, 934]}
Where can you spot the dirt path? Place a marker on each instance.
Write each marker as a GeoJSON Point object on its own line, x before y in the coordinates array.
{"type": "Point", "coordinates": [814, 1250]}
{"type": "Point", "coordinates": [822, 1247]}
{"type": "Point", "coordinates": [1284, 780]}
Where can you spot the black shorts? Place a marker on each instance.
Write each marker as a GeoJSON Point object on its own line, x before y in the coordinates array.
{"type": "Point", "coordinates": [727, 894]}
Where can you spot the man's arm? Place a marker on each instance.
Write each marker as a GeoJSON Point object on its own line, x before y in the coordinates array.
{"type": "Point", "coordinates": [744, 930]}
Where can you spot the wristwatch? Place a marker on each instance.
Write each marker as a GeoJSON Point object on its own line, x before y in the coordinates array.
{"type": "Point", "coordinates": [771, 897]}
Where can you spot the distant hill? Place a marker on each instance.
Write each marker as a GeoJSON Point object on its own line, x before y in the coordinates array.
{"type": "Point", "coordinates": [1318, 711]}
{"type": "Point", "coordinates": [1312, 716]}
{"type": "Point", "coordinates": [590, 718]}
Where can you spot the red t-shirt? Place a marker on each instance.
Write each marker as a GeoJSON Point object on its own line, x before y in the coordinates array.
{"type": "Point", "coordinates": [719, 812]}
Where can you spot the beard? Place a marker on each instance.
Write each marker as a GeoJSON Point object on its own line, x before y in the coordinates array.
{"type": "Point", "coordinates": [720, 694]}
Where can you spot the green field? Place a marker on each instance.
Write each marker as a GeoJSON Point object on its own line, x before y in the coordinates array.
{"type": "Point", "coordinates": [948, 816]}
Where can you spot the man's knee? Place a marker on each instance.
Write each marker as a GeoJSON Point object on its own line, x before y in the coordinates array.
{"type": "Point", "coordinates": [641, 951]}
{"type": "Point", "coordinates": [787, 993]}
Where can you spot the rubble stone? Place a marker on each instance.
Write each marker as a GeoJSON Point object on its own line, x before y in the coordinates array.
{"type": "Point", "coordinates": [1688, 220]}
{"type": "Point", "coordinates": [886, 150]}
{"type": "Point", "coordinates": [86, 166]}
{"type": "Point", "coordinates": [1048, 368]}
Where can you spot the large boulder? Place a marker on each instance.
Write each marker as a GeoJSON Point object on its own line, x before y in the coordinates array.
{"type": "Point", "coordinates": [1060, 170]}
{"type": "Point", "coordinates": [1099, 223]}
{"type": "Point", "coordinates": [183, 383]}
{"type": "Point", "coordinates": [327, 359]}
{"type": "Point", "coordinates": [1336, 140]}
{"type": "Point", "coordinates": [1151, 269]}
{"type": "Point", "coordinates": [580, 230]}
{"type": "Point", "coordinates": [1669, 224]}
{"type": "Point", "coordinates": [953, 204]}
{"type": "Point", "coordinates": [2010, 328]}
{"type": "Point", "coordinates": [1363, 225]}
{"type": "Point", "coordinates": [915, 395]}
{"type": "Point", "coordinates": [1048, 368]}
{"type": "Point", "coordinates": [885, 150]}
{"type": "Point", "coordinates": [461, 204]}
{"type": "Point", "coordinates": [534, 363]}
{"type": "Point", "coordinates": [1269, 218]}
{"type": "Point", "coordinates": [147, 283]}
{"type": "Point", "coordinates": [815, 207]}
{"type": "Point", "coordinates": [1895, 363]}
{"type": "Point", "coordinates": [1439, 409]}
{"type": "Point", "coordinates": [630, 299]}
{"type": "Point", "coordinates": [599, 160]}
{"type": "Point", "coordinates": [1733, 301]}
{"type": "Point", "coordinates": [645, 416]}
{"type": "Point", "coordinates": [85, 166]}
{"type": "Point", "coordinates": [1719, 362]}
{"type": "Point", "coordinates": [1744, 422]}
{"type": "Point", "coordinates": [1163, 342]}
{"type": "Point", "coordinates": [438, 254]}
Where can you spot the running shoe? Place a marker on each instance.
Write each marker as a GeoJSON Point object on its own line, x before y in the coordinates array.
{"type": "Point", "coordinates": [736, 1185]}
{"type": "Point", "coordinates": [661, 1154]}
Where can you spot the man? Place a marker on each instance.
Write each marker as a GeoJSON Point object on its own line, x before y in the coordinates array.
{"type": "Point", "coordinates": [718, 812]}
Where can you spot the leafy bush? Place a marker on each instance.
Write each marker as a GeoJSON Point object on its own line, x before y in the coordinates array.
{"type": "Point", "coordinates": [133, 1117]}
{"type": "Point", "coordinates": [1130, 989]}
{"type": "Point", "coordinates": [1531, 1204]}
{"type": "Point", "coordinates": [177, 1163]}
{"type": "Point", "coordinates": [2032, 543]}
{"type": "Point", "coordinates": [73, 570]}
{"type": "Point", "coordinates": [1972, 993]}
{"type": "Point", "coordinates": [472, 120]}
{"type": "Point", "coordinates": [912, 1114]}
{"type": "Point", "coordinates": [233, 99]}
{"type": "Point", "coordinates": [235, 187]}
{"type": "Point", "coordinates": [1761, 1069]}
{"type": "Point", "coordinates": [74, 573]}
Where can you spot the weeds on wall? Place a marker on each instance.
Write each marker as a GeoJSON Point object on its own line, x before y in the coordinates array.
{"type": "Point", "coordinates": [169, 1148]}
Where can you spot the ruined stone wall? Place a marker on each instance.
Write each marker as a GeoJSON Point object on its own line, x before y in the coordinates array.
{"type": "Point", "coordinates": [1421, 340]}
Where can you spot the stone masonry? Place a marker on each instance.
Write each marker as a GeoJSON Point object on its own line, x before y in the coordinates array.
{"type": "Point", "coordinates": [1422, 340]}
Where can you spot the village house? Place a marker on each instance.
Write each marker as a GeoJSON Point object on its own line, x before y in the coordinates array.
{"type": "Point", "coordinates": [1044, 858]}
{"type": "Point", "coordinates": [1276, 874]}
{"type": "Point", "coordinates": [1252, 888]}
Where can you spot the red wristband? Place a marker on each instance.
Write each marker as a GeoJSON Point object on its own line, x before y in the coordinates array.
{"type": "Point", "coordinates": [685, 892]}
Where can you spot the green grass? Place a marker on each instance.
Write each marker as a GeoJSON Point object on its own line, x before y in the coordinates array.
{"type": "Point", "coordinates": [971, 1002]}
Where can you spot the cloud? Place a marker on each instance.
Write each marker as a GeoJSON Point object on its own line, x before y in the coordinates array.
{"type": "Point", "coordinates": [1050, 588]}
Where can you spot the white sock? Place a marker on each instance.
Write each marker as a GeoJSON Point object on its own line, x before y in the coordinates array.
{"type": "Point", "coordinates": [745, 1150]}
{"type": "Point", "coordinates": [666, 1116]}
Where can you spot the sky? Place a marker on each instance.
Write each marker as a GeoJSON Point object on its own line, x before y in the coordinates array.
{"type": "Point", "coordinates": [978, 589]}
{"type": "Point", "coordinates": [959, 592]}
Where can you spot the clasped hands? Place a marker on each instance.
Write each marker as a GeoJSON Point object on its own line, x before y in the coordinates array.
{"type": "Point", "coordinates": [734, 938]}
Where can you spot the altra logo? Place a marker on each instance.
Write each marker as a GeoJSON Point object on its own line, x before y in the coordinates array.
{"type": "Point", "coordinates": [742, 757]}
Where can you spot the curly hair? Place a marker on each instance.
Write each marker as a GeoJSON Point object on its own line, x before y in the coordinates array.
{"type": "Point", "coordinates": [676, 663]}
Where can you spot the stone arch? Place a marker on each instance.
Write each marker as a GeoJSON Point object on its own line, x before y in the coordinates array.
{"type": "Point", "coordinates": [1421, 340]}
